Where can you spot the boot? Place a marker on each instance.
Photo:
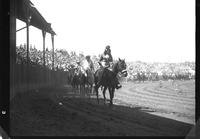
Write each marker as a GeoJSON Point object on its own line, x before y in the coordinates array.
{"type": "Point", "coordinates": [118, 85]}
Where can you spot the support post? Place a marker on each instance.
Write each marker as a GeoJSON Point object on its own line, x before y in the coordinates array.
{"type": "Point", "coordinates": [52, 38]}
{"type": "Point", "coordinates": [43, 35]}
{"type": "Point", "coordinates": [44, 70]}
{"type": "Point", "coordinates": [28, 20]}
{"type": "Point", "coordinates": [27, 41]}
{"type": "Point", "coordinates": [12, 48]}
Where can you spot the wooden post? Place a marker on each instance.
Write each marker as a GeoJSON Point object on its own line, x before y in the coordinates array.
{"type": "Point", "coordinates": [44, 70]}
{"type": "Point", "coordinates": [52, 38]}
{"type": "Point", "coordinates": [27, 41]}
{"type": "Point", "coordinates": [28, 20]}
{"type": "Point", "coordinates": [27, 33]}
{"type": "Point", "coordinates": [43, 35]}
{"type": "Point", "coordinates": [12, 47]}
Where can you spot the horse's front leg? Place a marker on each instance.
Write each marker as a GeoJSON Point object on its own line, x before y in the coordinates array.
{"type": "Point", "coordinates": [97, 92]}
{"type": "Point", "coordinates": [84, 89]}
{"type": "Point", "coordinates": [77, 87]}
{"type": "Point", "coordinates": [87, 90]}
{"type": "Point", "coordinates": [81, 89]}
{"type": "Point", "coordinates": [104, 96]}
{"type": "Point", "coordinates": [101, 88]}
{"type": "Point", "coordinates": [91, 90]}
{"type": "Point", "coordinates": [90, 86]}
{"type": "Point", "coordinates": [111, 92]}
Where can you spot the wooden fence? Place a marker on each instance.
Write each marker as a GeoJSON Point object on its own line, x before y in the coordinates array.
{"type": "Point", "coordinates": [30, 77]}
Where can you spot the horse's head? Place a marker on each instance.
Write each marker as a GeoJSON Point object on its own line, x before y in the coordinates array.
{"type": "Point", "coordinates": [121, 65]}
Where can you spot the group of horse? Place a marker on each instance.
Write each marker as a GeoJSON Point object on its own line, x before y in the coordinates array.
{"type": "Point", "coordinates": [87, 82]}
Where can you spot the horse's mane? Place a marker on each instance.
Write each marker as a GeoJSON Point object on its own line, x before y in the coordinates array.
{"type": "Point", "coordinates": [114, 67]}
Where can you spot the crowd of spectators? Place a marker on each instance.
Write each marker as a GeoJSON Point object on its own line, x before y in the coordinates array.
{"type": "Point", "coordinates": [64, 59]}
{"type": "Point", "coordinates": [161, 71]}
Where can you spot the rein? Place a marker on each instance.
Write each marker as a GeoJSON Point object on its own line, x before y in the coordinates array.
{"type": "Point", "coordinates": [116, 70]}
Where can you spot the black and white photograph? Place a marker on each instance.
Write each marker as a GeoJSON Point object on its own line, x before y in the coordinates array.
{"type": "Point", "coordinates": [102, 68]}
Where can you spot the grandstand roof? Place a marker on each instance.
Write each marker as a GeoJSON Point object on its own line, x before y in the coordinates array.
{"type": "Point", "coordinates": [24, 8]}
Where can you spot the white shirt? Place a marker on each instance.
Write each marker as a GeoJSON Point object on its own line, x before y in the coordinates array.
{"type": "Point", "coordinates": [86, 65]}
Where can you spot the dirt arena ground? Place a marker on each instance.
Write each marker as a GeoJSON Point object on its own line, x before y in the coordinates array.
{"type": "Point", "coordinates": [140, 109]}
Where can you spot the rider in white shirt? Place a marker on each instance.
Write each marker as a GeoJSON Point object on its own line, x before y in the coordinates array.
{"type": "Point", "coordinates": [88, 64]}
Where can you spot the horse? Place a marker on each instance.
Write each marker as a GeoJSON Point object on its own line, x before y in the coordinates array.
{"type": "Point", "coordinates": [72, 76]}
{"type": "Point", "coordinates": [82, 81]}
{"type": "Point", "coordinates": [75, 80]}
{"type": "Point", "coordinates": [79, 80]}
{"type": "Point", "coordinates": [107, 78]}
{"type": "Point", "coordinates": [90, 81]}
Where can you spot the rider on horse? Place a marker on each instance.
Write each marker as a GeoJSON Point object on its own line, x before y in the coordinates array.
{"type": "Point", "coordinates": [88, 64]}
{"type": "Point", "coordinates": [106, 61]}
{"type": "Point", "coordinates": [88, 67]}
{"type": "Point", "coordinates": [78, 68]}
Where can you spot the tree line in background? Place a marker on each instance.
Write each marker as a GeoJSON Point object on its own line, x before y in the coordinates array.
{"type": "Point", "coordinates": [137, 70]}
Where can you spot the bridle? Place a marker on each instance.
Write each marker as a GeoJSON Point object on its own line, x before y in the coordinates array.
{"type": "Point", "coordinates": [122, 71]}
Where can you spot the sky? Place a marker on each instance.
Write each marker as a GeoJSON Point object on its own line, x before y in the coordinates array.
{"type": "Point", "coordinates": [144, 30]}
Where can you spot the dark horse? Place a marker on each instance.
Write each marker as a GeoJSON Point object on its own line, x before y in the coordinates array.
{"type": "Point", "coordinates": [78, 80]}
{"type": "Point", "coordinates": [81, 78]}
{"type": "Point", "coordinates": [107, 78]}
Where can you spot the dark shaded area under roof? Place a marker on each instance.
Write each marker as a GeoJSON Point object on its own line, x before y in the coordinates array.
{"type": "Point", "coordinates": [25, 8]}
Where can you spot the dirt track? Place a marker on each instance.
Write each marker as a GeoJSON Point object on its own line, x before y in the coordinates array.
{"type": "Point", "coordinates": [140, 109]}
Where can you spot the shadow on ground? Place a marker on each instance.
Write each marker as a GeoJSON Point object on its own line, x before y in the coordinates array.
{"type": "Point", "coordinates": [57, 112]}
